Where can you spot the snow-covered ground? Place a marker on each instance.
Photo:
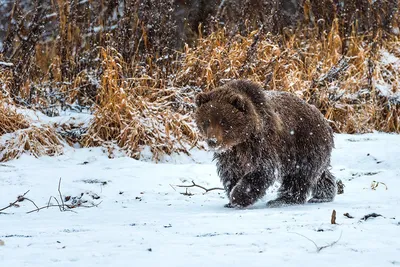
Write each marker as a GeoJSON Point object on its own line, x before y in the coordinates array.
{"type": "Point", "coordinates": [144, 220]}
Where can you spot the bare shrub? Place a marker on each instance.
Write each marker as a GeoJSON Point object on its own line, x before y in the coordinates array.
{"type": "Point", "coordinates": [363, 16]}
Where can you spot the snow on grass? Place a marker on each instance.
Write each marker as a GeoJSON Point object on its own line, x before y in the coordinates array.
{"type": "Point", "coordinates": [383, 88]}
{"type": "Point", "coordinates": [387, 89]}
{"type": "Point", "coordinates": [389, 58]}
{"type": "Point", "coordinates": [66, 117]}
{"type": "Point", "coordinates": [6, 64]}
{"type": "Point", "coordinates": [143, 219]}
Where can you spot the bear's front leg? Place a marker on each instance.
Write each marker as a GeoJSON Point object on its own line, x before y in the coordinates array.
{"type": "Point", "coordinates": [249, 189]}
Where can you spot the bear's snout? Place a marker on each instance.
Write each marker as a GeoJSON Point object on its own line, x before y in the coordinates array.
{"type": "Point", "coordinates": [212, 142]}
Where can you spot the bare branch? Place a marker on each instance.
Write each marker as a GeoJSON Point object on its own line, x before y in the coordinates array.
{"type": "Point", "coordinates": [315, 244]}
{"type": "Point", "coordinates": [32, 202]}
{"type": "Point", "coordinates": [62, 206]}
{"type": "Point", "coordinates": [49, 206]}
{"type": "Point", "coordinates": [19, 199]}
{"type": "Point", "coordinates": [371, 215]}
{"type": "Point", "coordinates": [331, 244]}
{"type": "Point", "coordinates": [348, 215]}
{"type": "Point", "coordinates": [172, 187]}
{"type": "Point", "coordinates": [91, 206]}
{"type": "Point", "coordinates": [199, 186]}
{"type": "Point", "coordinates": [251, 51]}
{"type": "Point", "coordinates": [319, 248]}
{"type": "Point", "coordinates": [375, 184]}
{"type": "Point", "coordinates": [59, 192]}
{"type": "Point", "coordinates": [187, 193]}
{"type": "Point", "coordinates": [58, 203]}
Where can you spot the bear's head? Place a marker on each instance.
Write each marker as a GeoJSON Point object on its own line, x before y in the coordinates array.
{"type": "Point", "coordinates": [225, 118]}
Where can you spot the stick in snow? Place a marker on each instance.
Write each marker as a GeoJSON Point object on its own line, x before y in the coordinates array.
{"type": "Point", "coordinates": [19, 199]}
{"type": "Point", "coordinates": [62, 206]}
{"type": "Point", "coordinates": [202, 187]}
{"type": "Point", "coordinates": [333, 217]}
{"type": "Point", "coordinates": [315, 244]}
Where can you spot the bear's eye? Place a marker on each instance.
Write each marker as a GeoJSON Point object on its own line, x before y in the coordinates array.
{"type": "Point", "coordinates": [206, 124]}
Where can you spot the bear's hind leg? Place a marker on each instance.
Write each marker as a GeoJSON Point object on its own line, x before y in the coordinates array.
{"type": "Point", "coordinates": [294, 190]}
{"type": "Point", "coordinates": [249, 189]}
{"type": "Point", "coordinates": [325, 189]}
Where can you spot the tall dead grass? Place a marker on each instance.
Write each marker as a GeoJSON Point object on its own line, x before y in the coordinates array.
{"type": "Point", "coordinates": [147, 100]}
{"type": "Point", "coordinates": [19, 136]}
{"type": "Point", "coordinates": [10, 120]}
{"type": "Point", "coordinates": [36, 141]}
{"type": "Point", "coordinates": [344, 86]}
{"type": "Point", "coordinates": [135, 115]}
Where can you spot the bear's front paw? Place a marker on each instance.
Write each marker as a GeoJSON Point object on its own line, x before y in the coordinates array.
{"type": "Point", "coordinates": [229, 205]}
{"type": "Point", "coordinates": [240, 199]}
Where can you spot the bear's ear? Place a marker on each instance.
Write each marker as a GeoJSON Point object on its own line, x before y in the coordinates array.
{"type": "Point", "coordinates": [202, 98]}
{"type": "Point", "coordinates": [238, 102]}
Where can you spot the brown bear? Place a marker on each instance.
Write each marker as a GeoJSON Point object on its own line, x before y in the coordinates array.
{"type": "Point", "coordinates": [260, 137]}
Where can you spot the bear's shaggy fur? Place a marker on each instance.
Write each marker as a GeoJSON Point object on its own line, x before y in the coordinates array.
{"type": "Point", "coordinates": [260, 137]}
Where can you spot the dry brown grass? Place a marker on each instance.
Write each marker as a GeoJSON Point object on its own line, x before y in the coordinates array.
{"type": "Point", "coordinates": [306, 64]}
{"type": "Point", "coordinates": [37, 141]}
{"type": "Point", "coordinates": [10, 120]}
{"type": "Point", "coordinates": [137, 105]}
{"type": "Point", "coordinates": [24, 137]}
{"type": "Point", "coordinates": [136, 115]}
{"type": "Point", "coordinates": [5, 82]}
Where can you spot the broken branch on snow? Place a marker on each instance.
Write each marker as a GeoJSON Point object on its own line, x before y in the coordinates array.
{"type": "Point", "coordinates": [319, 248]}
{"type": "Point", "coordinates": [14, 204]}
{"type": "Point", "coordinates": [371, 215]}
{"type": "Point", "coordinates": [199, 186]}
{"type": "Point", "coordinates": [348, 215]}
{"type": "Point", "coordinates": [62, 206]}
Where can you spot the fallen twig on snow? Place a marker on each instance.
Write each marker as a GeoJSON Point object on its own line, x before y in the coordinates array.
{"type": "Point", "coordinates": [375, 184]}
{"type": "Point", "coordinates": [199, 186]}
{"type": "Point", "coordinates": [187, 193]}
{"type": "Point", "coordinates": [63, 207]}
{"type": "Point", "coordinates": [59, 192]}
{"type": "Point", "coordinates": [348, 215]}
{"type": "Point", "coordinates": [371, 215]}
{"type": "Point", "coordinates": [49, 206]}
{"type": "Point", "coordinates": [19, 199]}
{"type": "Point", "coordinates": [319, 248]}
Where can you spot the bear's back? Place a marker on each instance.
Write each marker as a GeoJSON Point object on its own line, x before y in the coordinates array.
{"type": "Point", "coordinates": [303, 124]}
